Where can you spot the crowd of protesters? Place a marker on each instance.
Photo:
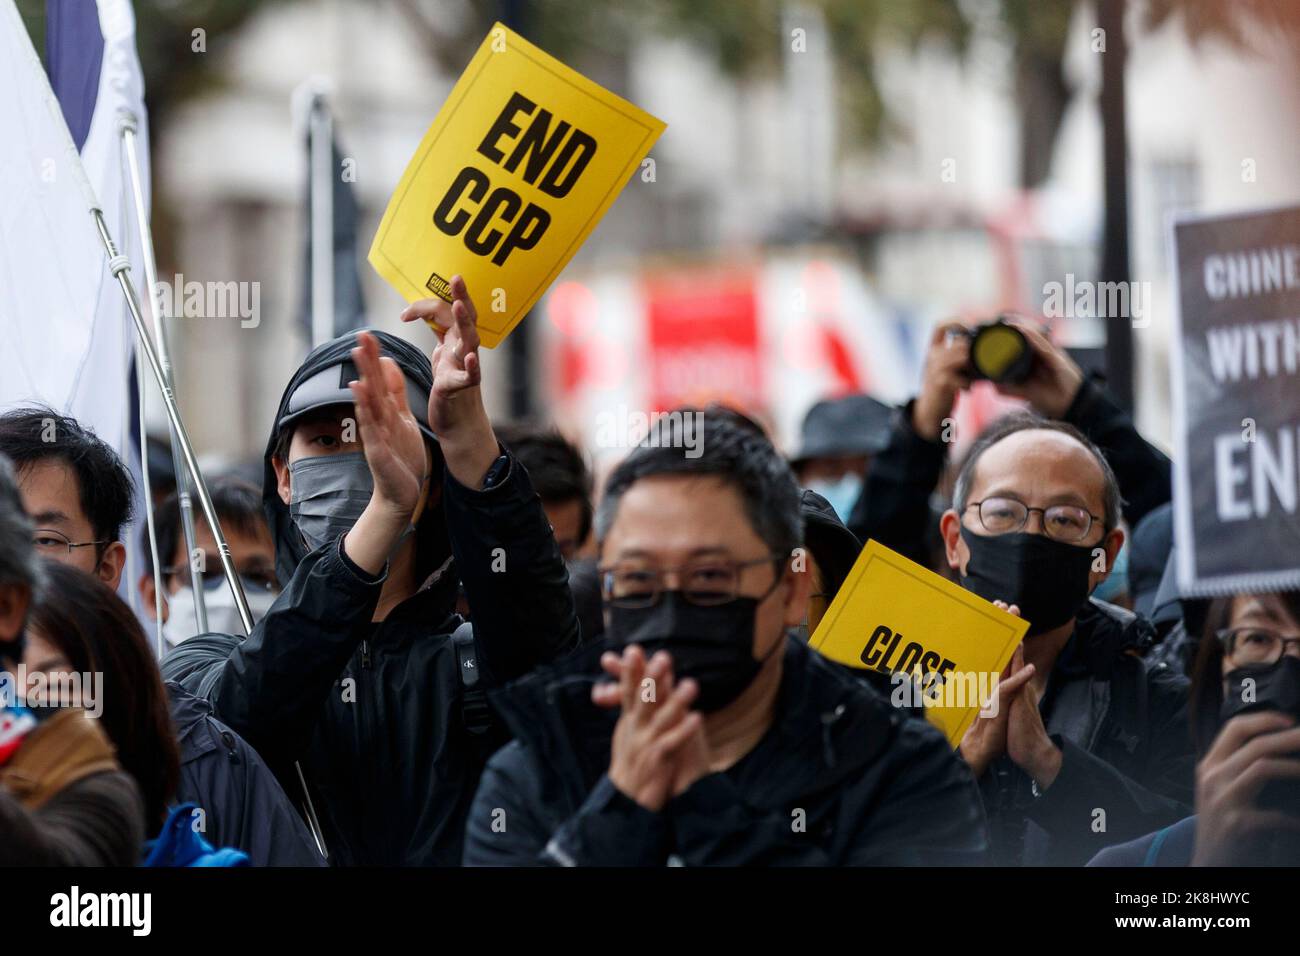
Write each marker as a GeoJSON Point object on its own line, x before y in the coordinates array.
{"type": "Point", "coordinates": [465, 654]}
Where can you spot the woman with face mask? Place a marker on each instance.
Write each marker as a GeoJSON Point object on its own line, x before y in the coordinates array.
{"type": "Point", "coordinates": [1245, 711]}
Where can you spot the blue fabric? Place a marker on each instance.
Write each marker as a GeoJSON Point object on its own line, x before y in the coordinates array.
{"type": "Point", "coordinates": [1172, 846]}
{"type": "Point", "coordinates": [1153, 854]}
{"type": "Point", "coordinates": [179, 845]}
{"type": "Point", "coordinates": [74, 49]}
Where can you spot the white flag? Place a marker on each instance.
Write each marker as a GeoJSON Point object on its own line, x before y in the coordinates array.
{"type": "Point", "coordinates": [66, 337]}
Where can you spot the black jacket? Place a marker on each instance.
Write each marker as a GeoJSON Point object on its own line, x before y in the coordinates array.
{"type": "Point", "coordinates": [243, 804]}
{"type": "Point", "coordinates": [374, 712]}
{"type": "Point", "coordinates": [1127, 759]}
{"type": "Point", "coordinates": [838, 779]}
{"type": "Point", "coordinates": [894, 507]}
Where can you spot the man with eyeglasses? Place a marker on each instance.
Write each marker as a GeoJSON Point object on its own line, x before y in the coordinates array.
{"type": "Point", "coordinates": [239, 510]}
{"type": "Point", "coordinates": [701, 731]}
{"type": "Point", "coordinates": [75, 488]}
{"type": "Point", "coordinates": [1089, 745]}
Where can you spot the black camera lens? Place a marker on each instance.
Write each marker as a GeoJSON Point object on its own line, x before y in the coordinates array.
{"type": "Point", "coordinates": [1000, 353]}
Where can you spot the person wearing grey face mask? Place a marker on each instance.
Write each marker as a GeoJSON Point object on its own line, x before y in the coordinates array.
{"type": "Point", "coordinates": [328, 495]}
{"type": "Point", "coordinates": [386, 489]}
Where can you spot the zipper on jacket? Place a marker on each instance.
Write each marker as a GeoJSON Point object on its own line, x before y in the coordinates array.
{"type": "Point", "coordinates": [365, 654]}
{"type": "Point", "coordinates": [829, 720]}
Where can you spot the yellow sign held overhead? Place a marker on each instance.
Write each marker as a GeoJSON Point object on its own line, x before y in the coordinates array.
{"type": "Point", "coordinates": [894, 616]}
{"type": "Point", "coordinates": [519, 166]}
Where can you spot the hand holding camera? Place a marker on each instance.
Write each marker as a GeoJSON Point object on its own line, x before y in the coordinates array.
{"type": "Point", "coordinates": [1008, 351]}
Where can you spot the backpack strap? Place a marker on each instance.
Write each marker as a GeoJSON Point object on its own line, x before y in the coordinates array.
{"type": "Point", "coordinates": [475, 710]}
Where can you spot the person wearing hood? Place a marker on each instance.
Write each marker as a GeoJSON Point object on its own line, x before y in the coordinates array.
{"type": "Point", "coordinates": [721, 738]}
{"type": "Point", "coordinates": [1088, 744]}
{"type": "Point", "coordinates": [386, 488]}
{"type": "Point", "coordinates": [832, 550]}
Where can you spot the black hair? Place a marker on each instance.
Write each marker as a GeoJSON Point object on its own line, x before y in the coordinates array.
{"type": "Point", "coordinates": [1205, 697]}
{"type": "Point", "coordinates": [1031, 421]}
{"type": "Point", "coordinates": [556, 466]}
{"type": "Point", "coordinates": [98, 634]}
{"type": "Point", "coordinates": [238, 505]}
{"type": "Point", "coordinates": [36, 434]}
{"type": "Point", "coordinates": [726, 445]}
{"type": "Point", "coordinates": [19, 562]}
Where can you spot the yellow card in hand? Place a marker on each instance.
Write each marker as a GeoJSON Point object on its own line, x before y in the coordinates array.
{"type": "Point", "coordinates": [894, 616]}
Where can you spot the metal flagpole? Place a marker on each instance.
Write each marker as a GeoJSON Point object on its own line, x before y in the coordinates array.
{"type": "Point", "coordinates": [320, 126]}
{"type": "Point", "coordinates": [127, 125]}
{"type": "Point", "coordinates": [119, 265]}
{"type": "Point", "coordinates": [148, 519]}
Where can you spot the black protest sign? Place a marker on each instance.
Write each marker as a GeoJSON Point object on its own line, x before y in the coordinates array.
{"type": "Point", "coordinates": [1237, 402]}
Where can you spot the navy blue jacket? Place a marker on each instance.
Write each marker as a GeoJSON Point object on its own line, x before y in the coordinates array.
{"type": "Point", "coordinates": [243, 804]}
{"type": "Point", "coordinates": [840, 778]}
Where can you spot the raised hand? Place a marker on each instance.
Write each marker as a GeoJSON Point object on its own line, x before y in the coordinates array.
{"type": "Point", "coordinates": [455, 360]}
{"type": "Point", "coordinates": [1055, 379]}
{"type": "Point", "coordinates": [456, 412]}
{"type": "Point", "coordinates": [945, 375]}
{"type": "Point", "coordinates": [394, 444]}
{"type": "Point", "coordinates": [1251, 749]}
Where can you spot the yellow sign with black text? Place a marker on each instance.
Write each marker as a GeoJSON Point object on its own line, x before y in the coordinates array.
{"type": "Point", "coordinates": [520, 164]}
{"type": "Point", "coordinates": [894, 616]}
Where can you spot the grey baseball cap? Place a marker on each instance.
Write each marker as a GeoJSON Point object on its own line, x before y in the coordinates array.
{"type": "Point", "coordinates": [329, 386]}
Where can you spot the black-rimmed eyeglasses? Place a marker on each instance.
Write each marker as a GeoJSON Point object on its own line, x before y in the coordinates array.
{"type": "Point", "coordinates": [1255, 645]}
{"type": "Point", "coordinates": [1008, 515]}
{"type": "Point", "coordinates": [705, 582]}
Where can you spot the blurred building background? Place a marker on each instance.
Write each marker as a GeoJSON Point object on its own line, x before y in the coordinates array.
{"type": "Point", "coordinates": [835, 178]}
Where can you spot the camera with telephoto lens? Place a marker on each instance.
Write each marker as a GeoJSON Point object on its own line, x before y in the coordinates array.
{"type": "Point", "coordinates": [999, 352]}
{"type": "Point", "coordinates": [1262, 687]}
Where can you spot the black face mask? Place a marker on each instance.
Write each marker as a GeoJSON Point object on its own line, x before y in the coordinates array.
{"type": "Point", "coordinates": [713, 645]}
{"type": "Point", "coordinates": [1047, 579]}
{"type": "Point", "coordinates": [1258, 687]}
{"type": "Point", "coordinates": [1263, 687]}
